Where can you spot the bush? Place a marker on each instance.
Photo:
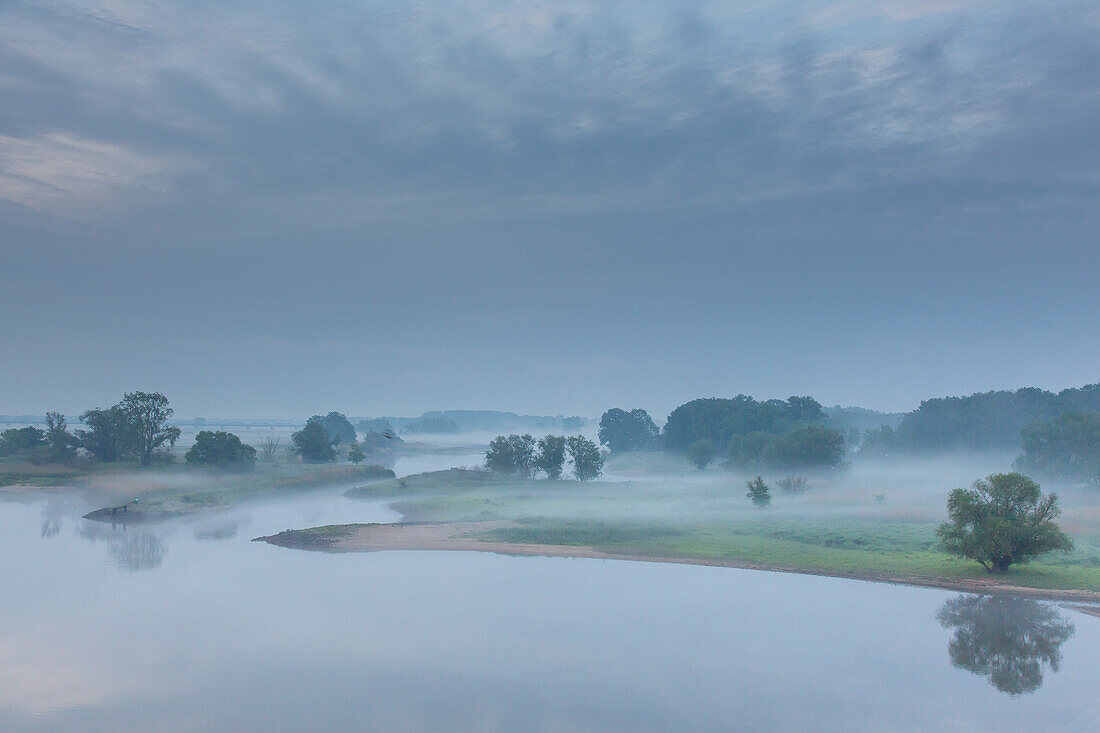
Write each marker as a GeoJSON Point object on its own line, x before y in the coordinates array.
{"type": "Point", "coordinates": [222, 450]}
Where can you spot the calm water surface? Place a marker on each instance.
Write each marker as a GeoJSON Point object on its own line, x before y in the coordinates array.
{"type": "Point", "coordinates": [190, 626]}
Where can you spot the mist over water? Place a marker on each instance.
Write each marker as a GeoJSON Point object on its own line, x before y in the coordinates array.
{"type": "Point", "coordinates": [188, 625]}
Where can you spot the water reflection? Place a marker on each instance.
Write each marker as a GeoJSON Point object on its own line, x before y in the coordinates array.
{"type": "Point", "coordinates": [1005, 639]}
{"type": "Point", "coordinates": [132, 549]}
{"type": "Point", "coordinates": [50, 528]}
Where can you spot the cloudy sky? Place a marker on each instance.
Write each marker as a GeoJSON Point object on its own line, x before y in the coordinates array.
{"type": "Point", "coordinates": [281, 208]}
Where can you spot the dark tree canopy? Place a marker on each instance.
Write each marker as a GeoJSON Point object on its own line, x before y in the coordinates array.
{"type": "Point", "coordinates": [585, 456]}
{"type": "Point", "coordinates": [810, 446]}
{"type": "Point", "coordinates": [146, 415]}
{"type": "Point", "coordinates": [1066, 448]}
{"type": "Point", "coordinates": [1003, 520]}
{"type": "Point", "coordinates": [720, 419]}
{"type": "Point", "coordinates": [982, 421]}
{"type": "Point", "coordinates": [107, 435]}
{"type": "Point", "coordinates": [511, 455]}
{"type": "Point", "coordinates": [356, 454]}
{"type": "Point", "coordinates": [28, 442]}
{"type": "Point", "coordinates": [1005, 639]}
{"type": "Point", "coordinates": [314, 444]}
{"type": "Point", "coordinates": [623, 431]}
{"type": "Point", "coordinates": [551, 456]}
{"type": "Point", "coordinates": [219, 449]}
{"type": "Point", "coordinates": [337, 427]}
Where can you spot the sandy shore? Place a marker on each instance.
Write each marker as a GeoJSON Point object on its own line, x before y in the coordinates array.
{"type": "Point", "coordinates": [461, 537]}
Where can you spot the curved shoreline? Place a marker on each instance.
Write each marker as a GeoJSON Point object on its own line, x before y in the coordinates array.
{"type": "Point", "coordinates": [459, 537]}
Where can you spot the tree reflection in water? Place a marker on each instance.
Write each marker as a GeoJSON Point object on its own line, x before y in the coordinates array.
{"type": "Point", "coordinates": [1005, 639]}
{"type": "Point", "coordinates": [131, 548]}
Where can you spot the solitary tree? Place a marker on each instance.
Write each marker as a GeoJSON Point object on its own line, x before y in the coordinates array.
{"type": "Point", "coordinates": [337, 426]}
{"type": "Point", "coordinates": [758, 492]}
{"type": "Point", "coordinates": [356, 454]}
{"type": "Point", "coordinates": [146, 415]}
{"type": "Point", "coordinates": [219, 449]}
{"type": "Point", "coordinates": [586, 457]}
{"type": "Point", "coordinates": [269, 445]}
{"type": "Point", "coordinates": [551, 456]}
{"type": "Point", "coordinates": [702, 452]}
{"type": "Point", "coordinates": [512, 455]}
{"type": "Point", "coordinates": [1003, 519]}
{"type": "Point", "coordinates": [624, 431]}
{"type": "Point", "coordinates": [314, 444]}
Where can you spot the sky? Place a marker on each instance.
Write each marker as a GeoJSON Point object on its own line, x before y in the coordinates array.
{"type": "Point", "coordinates": [283, 208]}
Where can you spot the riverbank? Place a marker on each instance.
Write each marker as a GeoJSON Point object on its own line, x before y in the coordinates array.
{"type": "Point", "coordinates": [479, 537]}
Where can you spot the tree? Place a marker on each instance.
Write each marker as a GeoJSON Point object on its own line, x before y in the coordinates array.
{"type": "Point", "coordinates": [758, 492]}
{"type": "Point", "coordinates": [338, 427]}
{"type": "Point", "coordinates": [512, 455]}
{"type": "Point", "coordinates": [551, 456]}
{"type": "Point", "coordinates": [146, 415]}
{"type": "Point", "coordinates": [702, 452]}
{"type": "Point", "coordinates": [106, 437]}
{"type": "Point", "coordinates": [1003, 519]}
{"type": "Point", "coordinates": [623, 431]}
{"type": "Point", "coordinates": [1005, 639]}
{"type": "Point", "coordinates": [60, 443]}
{"type": "Point", "coordinates": [314, 444]}
{"type": "Point", "coordinates": [1067, 448]}
{"type": "Point", "coordinates": [269, 445]}
{"type": "Point", "coordinates": [585, 456]}
{"type": "Point", "coordinates": [219, 449]}
{"type": "Point", "coordinates": [356, 454]}
{"type": "Point", "coordinates": [721, 419]}
{"type": "Point", "coordinates": [805, 447]}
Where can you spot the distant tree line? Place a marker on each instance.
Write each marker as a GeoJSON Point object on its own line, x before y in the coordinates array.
{"type": "Point", "coordinates": [523, 457]}
{"type": "Point", "coordinates": [979, 422]}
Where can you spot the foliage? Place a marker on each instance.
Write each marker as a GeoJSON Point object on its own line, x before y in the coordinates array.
{"type": "Point", "coordinates": [1003, 519]}
{"type": "Point", "coordinates": [219, 449]}
{"type": "Point", "coordinates": [623, 431]}
{"type": "Point", "coordinates": [146, 415]}
{"type": "Point", "coordinates": [585, 456]}
{"type": "Point", "coordinates": [60, 443]}
{"type": "Point", "coordinates": [758, 492]}
{"type": "Point", "coordinates": [809, 446]}
{"type": "Point", "coordinates": [981, 421]}
{"type": "Point", "coordinates": [337, 426]}
{"type": "Point", "coordinates": [512, 455]}
{"type": "Point", "coordinates": [551, 457]}
{"type": "Point", "coordinates": [721, 419]}
{"type": "Point", "coordinates": [107, 435]}
{"type": "Point", "coordinates": [314, 444]}
{"type": "Point", "coordinates": [356, 454]}
{"type": "Point", "coordinates": [28, 442]}
{"type": "Point", "coordinates": [702, 452]}
{"type": "Point", "coordinates": [1067, 448]}
{"type": "Point", "coordinates": [379, 441]}
{"type": "Point", "coordinates": [1005, 639]}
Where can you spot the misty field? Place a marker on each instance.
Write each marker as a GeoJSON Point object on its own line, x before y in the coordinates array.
{"type": "Point", "coordinates": [863, 522]}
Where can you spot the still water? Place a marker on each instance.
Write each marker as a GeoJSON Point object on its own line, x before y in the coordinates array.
{"type": "Point", "coordinates": [190, 626]}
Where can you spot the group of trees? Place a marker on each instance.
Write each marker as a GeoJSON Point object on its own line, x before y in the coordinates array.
{"type": "Point", "coordinates": [978, 422]}
{"type": "Point", "coordinates": [321, 437]}
{"type": "Point", "coordinates": [770, 434]}
{"type": "Point", "coordinates": [219, 449]}
{"type": "Point", "coordinates": [135, 428]}
{"type": "Point", "coordinates": [522, 456]}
